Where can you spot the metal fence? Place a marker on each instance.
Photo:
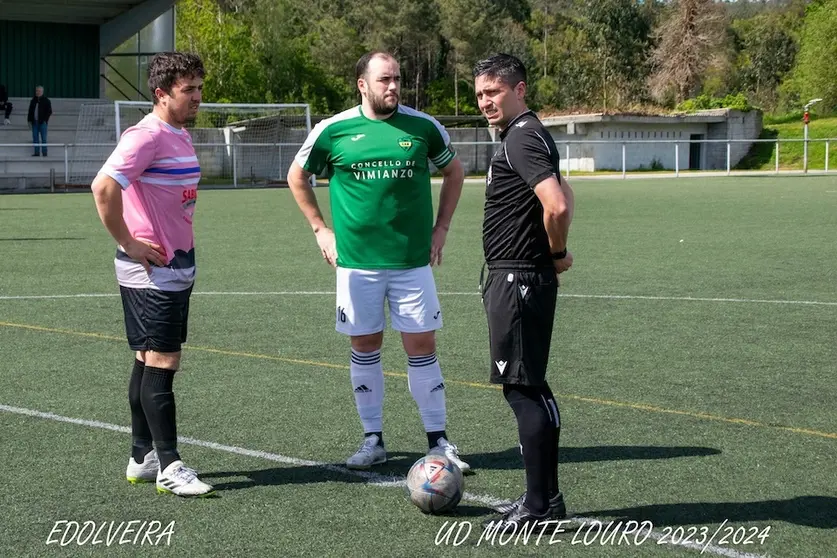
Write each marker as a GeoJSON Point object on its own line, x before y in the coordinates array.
{"type": "Point", "coordinates": [639, 157]}
{"type": "Point", "coordinates": [265, 164]}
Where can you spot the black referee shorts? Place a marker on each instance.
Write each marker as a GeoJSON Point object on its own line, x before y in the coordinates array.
{"type": "Point", "coordinates": [155, 320]}
{"type": "Point", "coordinates": [520, 305]}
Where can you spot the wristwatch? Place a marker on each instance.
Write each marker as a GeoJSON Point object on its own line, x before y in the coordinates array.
{"type": "Point", "coordinates": [559, 255]}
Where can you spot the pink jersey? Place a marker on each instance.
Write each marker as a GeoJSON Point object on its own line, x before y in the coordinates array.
{"type": "Point", "coordinates": [159, 172]}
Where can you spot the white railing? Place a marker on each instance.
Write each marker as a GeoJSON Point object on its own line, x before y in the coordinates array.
{"type": "Point", "coordinates": [238, 164]}
{"type": "Point", "coordinates": [572, 152]}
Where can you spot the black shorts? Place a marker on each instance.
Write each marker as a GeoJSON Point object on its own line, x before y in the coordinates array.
{"type": "Point", "coordinates": [155, 320]}
{"type": "Point", "coordinates": [520, 306]}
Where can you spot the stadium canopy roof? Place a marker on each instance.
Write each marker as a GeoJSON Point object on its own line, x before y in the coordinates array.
{"type": "Point", "coordinates": [94, 12]}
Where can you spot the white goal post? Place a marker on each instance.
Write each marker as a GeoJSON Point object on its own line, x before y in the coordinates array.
{"type": "Point", "coordinates": [237, 144]}
{"type": "Point", "coordinates": [245, 143]}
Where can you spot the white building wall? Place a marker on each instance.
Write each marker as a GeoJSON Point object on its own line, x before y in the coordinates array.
{"type": "Point", "coordinates": [667, 131]}
{"type": "Point", "coordinates": [738, 126]}
{"type": "Point", "coordinates": [608, 156]}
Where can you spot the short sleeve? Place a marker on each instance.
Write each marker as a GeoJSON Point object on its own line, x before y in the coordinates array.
{"type": "Point", "coordinates": [314, 153]}
{"type": "Point", "coordinates": [132, 156]}
{"type": "Point", "coordinates": [529, 155]}
{"type": "Point", "coordinates": [439, 150]}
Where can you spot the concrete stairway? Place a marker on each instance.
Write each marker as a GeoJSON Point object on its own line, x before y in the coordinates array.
{"type": "Point", "coordinates": [19, 170]}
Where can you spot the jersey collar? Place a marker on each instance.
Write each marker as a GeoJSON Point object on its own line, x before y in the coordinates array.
{"type": "Point", "coordinates": [166, 124]}
{"type": "Point", "coordinates": [393, 115]}
{"type": "Point", "coordinates": [505, 132]}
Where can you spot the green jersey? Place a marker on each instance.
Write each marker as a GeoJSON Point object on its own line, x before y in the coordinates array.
{"type": "Point", "coordinates": [381, 202]}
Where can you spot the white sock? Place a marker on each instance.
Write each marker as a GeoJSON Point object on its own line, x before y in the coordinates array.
{"type": "Point", "coordinates": [368, 384]}
{"type": "Point", "coordinates": [427, 387]}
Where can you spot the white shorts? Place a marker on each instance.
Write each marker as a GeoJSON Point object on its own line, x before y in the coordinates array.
{"type": "Point", "coordinates": [411, 293]}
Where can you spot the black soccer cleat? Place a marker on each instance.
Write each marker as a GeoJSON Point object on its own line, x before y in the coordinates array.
{"type": "Point", "coordinates": [518, 518]}
{"type": "Point", "coordinates": [557, 508]}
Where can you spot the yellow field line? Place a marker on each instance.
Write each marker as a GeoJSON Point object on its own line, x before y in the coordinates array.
{"type": "Point", "coordinates": [595, 400]}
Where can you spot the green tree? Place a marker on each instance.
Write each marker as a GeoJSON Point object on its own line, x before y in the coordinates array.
{"type": "Point", "coordinates": [408, 30]}
{"type": "Point", "coordinates": [620, 34]}
{"type": "Point", "coordinates": [767, 52]}
{"type": "Point", "coordinates": [814, 76]}
{"type": "Point", "coordinates": [466, 25]}
{"type": "Point", "coordinates": [223, 38]}
{"type": "Point", "coordinates": [284, 36]}
{"type": "Point", "coordinates": [542, 24]}
{"type": "Point", "coordinates": [474, 29]}
{"type": "Point", "coordinates": [571, 77]}
{"type": "Point", "coordinates": [581, 54]}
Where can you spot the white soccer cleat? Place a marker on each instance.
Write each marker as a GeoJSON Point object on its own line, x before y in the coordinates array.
{"type": "Point", "coordinates": [370, 453]}
{"type": "Point", "coordinates": [451, 452]}
{"type": "Point", "coordinates": [180, 480]}
{"type": "Point", "coordinates": [7, 122]}
{"type": "Point", "coordinates": [146, 471]}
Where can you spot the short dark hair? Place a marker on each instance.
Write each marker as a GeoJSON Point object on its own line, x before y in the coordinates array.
{"type": "Point", "coordinates": [505, 67]}
{"type": "Point", "coordinates": [167, 67]}
{"type": "Point", "coordinates": [363, 63]}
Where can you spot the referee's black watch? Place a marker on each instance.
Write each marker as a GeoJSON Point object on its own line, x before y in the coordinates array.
{"type": "Point", "coordinates": [559, 255]}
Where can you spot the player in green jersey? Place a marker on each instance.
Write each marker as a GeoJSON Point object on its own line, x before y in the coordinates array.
{"type": "Point", "coordinates": [384, 242]}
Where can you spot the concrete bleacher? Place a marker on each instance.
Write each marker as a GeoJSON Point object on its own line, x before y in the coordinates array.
{"type": "Point", "coordinates": [19, 170]}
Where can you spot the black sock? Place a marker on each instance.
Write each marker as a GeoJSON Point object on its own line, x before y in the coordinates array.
{"type": "Point", "coordinates": [140, 433]}
{"type": "Point", "coordinates": [380, 436]}
{"type": "Point", "coordinates": [536, 432]}
{"type": "Point", "coordinates": [555, 415]}
{"type": "Point", "coordinates": [433, 438]}
{"type": "Point", "coordinates": [158, 404]}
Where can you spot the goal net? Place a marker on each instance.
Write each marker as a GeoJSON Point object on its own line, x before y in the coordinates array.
{"type": "Point", "coordinates": [236, 144]}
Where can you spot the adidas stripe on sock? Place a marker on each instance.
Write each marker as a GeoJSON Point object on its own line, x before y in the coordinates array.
{"type": "Point", "coordinates": [367, 377]}
{"type": "Point", "coordinates": [427, 387]}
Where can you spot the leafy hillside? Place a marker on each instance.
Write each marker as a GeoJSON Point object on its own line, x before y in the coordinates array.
{"type": "Point", "coordinates": [763, 156]}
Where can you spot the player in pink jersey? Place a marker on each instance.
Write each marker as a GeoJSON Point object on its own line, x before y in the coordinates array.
{"type": "Point", "coordinates": [145, 195]}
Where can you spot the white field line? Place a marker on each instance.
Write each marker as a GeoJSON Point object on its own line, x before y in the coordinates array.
{"type": "Point", "coordinates": [373, 479]}
{"type": "Point", "coordinates": [454, 293]}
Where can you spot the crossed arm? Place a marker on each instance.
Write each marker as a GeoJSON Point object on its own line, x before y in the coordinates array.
{"type": "Point", "coordinates": [558, 202]}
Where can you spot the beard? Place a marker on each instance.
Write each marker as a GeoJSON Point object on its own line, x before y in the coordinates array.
{"type": "Point", "coordinates": [183, 116]}
{"type": "Point", "coordinates": [383, 106]}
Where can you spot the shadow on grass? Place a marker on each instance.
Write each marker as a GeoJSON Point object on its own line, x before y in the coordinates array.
{"type": "Point", "coordinates": [399, 464]}
{"type": "Point", "coordinates": [511, 459]}
{"type": "Point", "coordinates": [761, 153]}
{"type": "Point", "coordinates": [279, 476]}
{"type": "Point", "coordinates": [819, 512]}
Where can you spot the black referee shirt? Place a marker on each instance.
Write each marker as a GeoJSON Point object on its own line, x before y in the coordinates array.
{"type": "Point", "coordinates": [513, 226]}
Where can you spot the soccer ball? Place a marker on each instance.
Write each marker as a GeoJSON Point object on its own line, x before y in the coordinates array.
{"type": "Point", "coordinates": [435, 484]}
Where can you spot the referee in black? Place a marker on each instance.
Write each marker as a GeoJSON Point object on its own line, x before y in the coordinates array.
{"type": "Point", "coordinates": [528, 209]}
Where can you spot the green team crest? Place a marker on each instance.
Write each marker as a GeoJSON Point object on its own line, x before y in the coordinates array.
{"type": "Point", "coordinates": [406, 143]}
